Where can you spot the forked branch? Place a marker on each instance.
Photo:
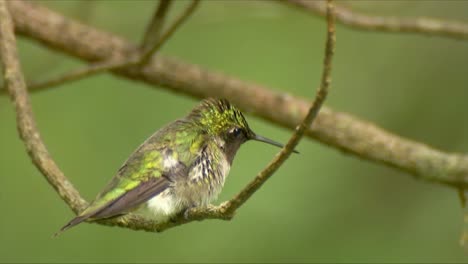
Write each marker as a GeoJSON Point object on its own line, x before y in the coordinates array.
{"type": "Point", "coordinates": [152, 43]}
{"type": "Point", "coordinates": [154, 28]}
{"type": "Point", "coordinates": [146, 56]}
{"type": "Point", "coordinates": [320, 97]}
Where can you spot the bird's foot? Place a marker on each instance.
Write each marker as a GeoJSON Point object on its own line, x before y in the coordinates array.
{"type": "Point", "coordinates": [187, 213]}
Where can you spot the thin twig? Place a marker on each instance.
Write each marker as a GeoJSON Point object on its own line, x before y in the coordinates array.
{"type": "Point", "coordinates": [77, 74]}
{"type": "Point", "coordinates": [354, 19]}
{"type": "Point", "coordinates": [169, 32]}
{"type": "Point", "coordinates": [14, 82]}
{"type": "Point", "coordinates": [87, 71]}
{"type": "Point", "coordinates": [154, 28]}
{"type": "Point", "coordinates": [320, 97]}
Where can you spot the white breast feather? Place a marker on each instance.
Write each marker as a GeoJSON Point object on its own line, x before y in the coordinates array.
{"type": "Point", "coordinates": [162, 207]}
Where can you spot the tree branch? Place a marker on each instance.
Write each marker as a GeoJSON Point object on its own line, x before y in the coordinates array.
{"type": "Point", "coordinates": [353, 19]}
{"type": "Point", "coordinates": [156, 25]}
{"type": "Point", "coordinates": [81, 73]}
{"type": "Point", "coordinates": [132, 59]}
{"type": "Point", "coordinates": [320, 97]}
{"type": "Point", "coordinates": [28, 131]}
{"type": "Point", "coordinates": [339, 130]}
{"type": "Point", "coordinates": [178, 22]}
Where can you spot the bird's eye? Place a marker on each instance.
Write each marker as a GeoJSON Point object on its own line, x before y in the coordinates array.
{"type": "Point", "coordinates": [236, 132]}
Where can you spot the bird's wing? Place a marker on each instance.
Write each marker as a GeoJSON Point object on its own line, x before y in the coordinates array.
{"type": "Point", "coordinates": [142, 177]}
{"type": "Point", "coordinates": [126, 191]}
{"type": "Point", "coordinates": [141, 193]}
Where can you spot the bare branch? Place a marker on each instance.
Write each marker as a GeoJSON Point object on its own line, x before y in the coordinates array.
{"type": "Point", "coordinates": [421, 25]}
{"type": "Point", "coordinates": [77, 74]}
{"type": "Point", "coordinates": [16, 87]}
{"type": "Point", "coordinates": [178, 22]}
{"type": "Point", "coordinates": [156, 25]}
{"type": "Point", "coordinates": [320, 97]}
{"type": "Point", "coordinates": [87, 71]}
{"type": "Point", "coordinates": [339, 130]}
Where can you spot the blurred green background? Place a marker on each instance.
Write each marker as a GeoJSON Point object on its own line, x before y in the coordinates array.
{"type": "Point", "coordinates": [321, 206]}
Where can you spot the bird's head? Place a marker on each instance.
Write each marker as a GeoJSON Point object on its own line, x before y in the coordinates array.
{"type": "Point", "coordinates": [225, 122]}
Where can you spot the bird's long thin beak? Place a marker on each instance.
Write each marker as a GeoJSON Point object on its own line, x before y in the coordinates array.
{"type": "Point", "coordinates": [268, 141]}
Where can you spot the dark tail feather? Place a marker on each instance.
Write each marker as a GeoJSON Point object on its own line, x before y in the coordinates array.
{"type": "Point", "coordinates": [72, 223]}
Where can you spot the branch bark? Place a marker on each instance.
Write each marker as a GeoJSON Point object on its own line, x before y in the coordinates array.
{"type": "Point", "coordinates": [14, 82]}
{"type": "Point", "coordinates": [311, 115]}
{"type": "Point", "coordinates": [81, 73]}
{"type": "Point", "coordinates": [178, 22]}
{"type": "Point", "coordinates": [154, 28]}
{"type": "Point", "coordinates": [151, 44]}
{"type": "Point", "coordinates": [339, 130]}
{"type": "Point", "coordinates": [353, 19]}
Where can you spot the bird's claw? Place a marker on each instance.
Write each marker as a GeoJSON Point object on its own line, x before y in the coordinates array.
{"type": "Point", "coordinates": [187, 213]}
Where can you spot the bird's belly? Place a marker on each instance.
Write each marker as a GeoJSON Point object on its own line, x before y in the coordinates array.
{"type": "Point", "coordinates": [183, 195]}
{"type": "Point", "coordinates": [161, 207]}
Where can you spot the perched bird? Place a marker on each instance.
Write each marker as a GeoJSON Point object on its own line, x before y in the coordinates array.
{"type": "Point", "coordinates": [182, 165]}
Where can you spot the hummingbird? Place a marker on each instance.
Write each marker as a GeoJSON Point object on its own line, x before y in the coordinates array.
{"type": "Point", "coordinates": [182, 165]}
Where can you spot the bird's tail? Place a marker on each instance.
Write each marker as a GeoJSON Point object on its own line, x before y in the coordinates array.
{"type": "Point", "coordinates": [72, 223]}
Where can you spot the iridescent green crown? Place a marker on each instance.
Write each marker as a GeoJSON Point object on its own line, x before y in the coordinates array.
{"type": "Point", "coordinates": [218, 115]}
